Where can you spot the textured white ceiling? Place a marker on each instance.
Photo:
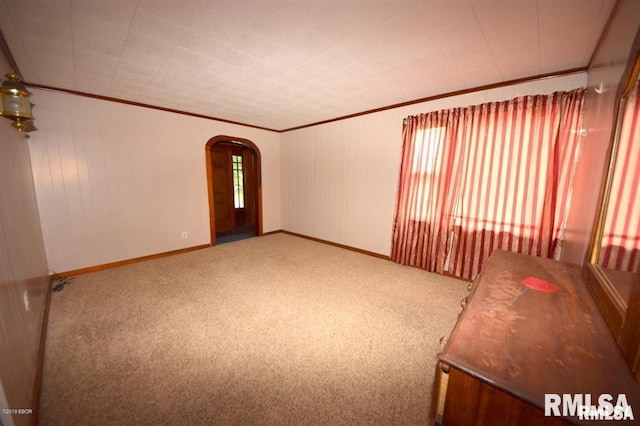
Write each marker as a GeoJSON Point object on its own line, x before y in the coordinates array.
{"type": "Point", "coordinates": [286, 63]}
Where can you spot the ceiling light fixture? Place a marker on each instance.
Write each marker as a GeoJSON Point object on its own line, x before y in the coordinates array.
{"type": "Point", "coordinates": [16, 103]}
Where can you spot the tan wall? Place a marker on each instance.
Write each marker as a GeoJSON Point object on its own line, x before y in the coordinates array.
{"type": "Point", "coordinates": [607, 68]}
{"type": "Point", "coordinates": [23, 270]}
{"type": "Point", "coordinates": [339, 180]}
{"type": "Point", "coordinates": [116, 182]}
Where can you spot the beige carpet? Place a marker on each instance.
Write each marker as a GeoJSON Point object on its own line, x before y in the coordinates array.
{"type": "Point", "coordinates": [269, 330]}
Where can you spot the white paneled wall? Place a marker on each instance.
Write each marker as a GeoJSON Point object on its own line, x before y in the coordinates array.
{"type": "Point", "coordinates": [339, 180]}
{"type": "Point", "coordinates": [24, 282]}
{"type": "Point", "coordinates": [115, 181]}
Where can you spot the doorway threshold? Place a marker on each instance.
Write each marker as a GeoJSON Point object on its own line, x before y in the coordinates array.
{"type": "Point", "coordinates": [233, 237]}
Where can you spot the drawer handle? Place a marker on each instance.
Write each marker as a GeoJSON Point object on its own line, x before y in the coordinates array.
{"type": "Point", "coordinates": [463, 302]}
{"type": "Point", "coordinates": [470, 286]}
{"type": "Point", "coordinates": [442, 341]}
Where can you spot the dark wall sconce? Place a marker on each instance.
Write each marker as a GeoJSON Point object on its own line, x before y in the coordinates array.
{"type": "Point", "coordinates": [16, 103]}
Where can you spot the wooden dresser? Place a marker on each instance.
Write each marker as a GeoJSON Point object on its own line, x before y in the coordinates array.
{"type": "Point", "coordinates": [513, 344]}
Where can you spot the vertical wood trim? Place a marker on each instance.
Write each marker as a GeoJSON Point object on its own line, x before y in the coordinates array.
{"type": "Point", "coordinates": [212, 208]}
{"type": "Point", "coordinates": [440, 392]}
{"type": "Point", "coordinates": [258, 177]}
{"type": "Point", "coordinates": [37, 380]}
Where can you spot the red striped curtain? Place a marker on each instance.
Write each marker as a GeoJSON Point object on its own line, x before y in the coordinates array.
{"type": "Point", "coordinates": [519, 162]}
{"type": "Point", "coordinates": [429, 173]}
{"type": "Point", "coordinates": [621, 234]}
{"type": "Point", "coordinates": [500, 179]}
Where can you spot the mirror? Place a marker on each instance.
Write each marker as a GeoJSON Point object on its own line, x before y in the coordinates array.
{"type": "Point", "coordinates": [618, 250]}
{"type": "Point", "coordinates": [613, 270]}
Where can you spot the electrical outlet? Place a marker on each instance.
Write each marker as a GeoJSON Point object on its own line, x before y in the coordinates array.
{"type": "Point", "coordinates": [25, 296]}
{"type": "Point", "coordinates": [185, 235]}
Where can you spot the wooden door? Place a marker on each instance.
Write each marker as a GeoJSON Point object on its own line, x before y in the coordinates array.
{"type": "Point", "coordinates": [222, 188]}
{"type": "Point", "coordinates": [234, 189]}
{"type": "Point", "coordinates": [250, 189]}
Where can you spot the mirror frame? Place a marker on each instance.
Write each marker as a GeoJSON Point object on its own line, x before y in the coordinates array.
{"type": "Point", "coordinates": [622, 317]}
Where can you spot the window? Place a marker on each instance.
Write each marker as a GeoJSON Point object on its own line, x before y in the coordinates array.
{"type": "Point", "coordinates": [485, 177]}
{"type": "Point", "coordinates": [238, 181]}
{"type": "Point", "coordinates": [426, 151]}
{"type": "Point", "coordinates": [426, 167]}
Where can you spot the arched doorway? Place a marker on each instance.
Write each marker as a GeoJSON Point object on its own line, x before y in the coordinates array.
{"type": "Point", "coordinates": [234, 187]}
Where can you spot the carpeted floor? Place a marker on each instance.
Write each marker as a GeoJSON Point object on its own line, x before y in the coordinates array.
{"type": "Point", "coordinates": [268, 330]}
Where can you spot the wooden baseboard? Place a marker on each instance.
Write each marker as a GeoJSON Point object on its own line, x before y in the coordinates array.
{"type": "Point", "coordinates": [271, 232]}
{"type": "Point", "coordinates": [450, 275]}
{"type": "Point", "coordinates": [368, 253]}
{"type": "Point", "coordinates": [37, 380]}
{"type": "Point", "coordinates": [97, 268]}
{"type": "Point", "coordinates": [343, 246]}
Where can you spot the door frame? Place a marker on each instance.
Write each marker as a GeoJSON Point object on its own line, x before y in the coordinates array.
{"type": "Point", "coordinates": [258, 187]}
